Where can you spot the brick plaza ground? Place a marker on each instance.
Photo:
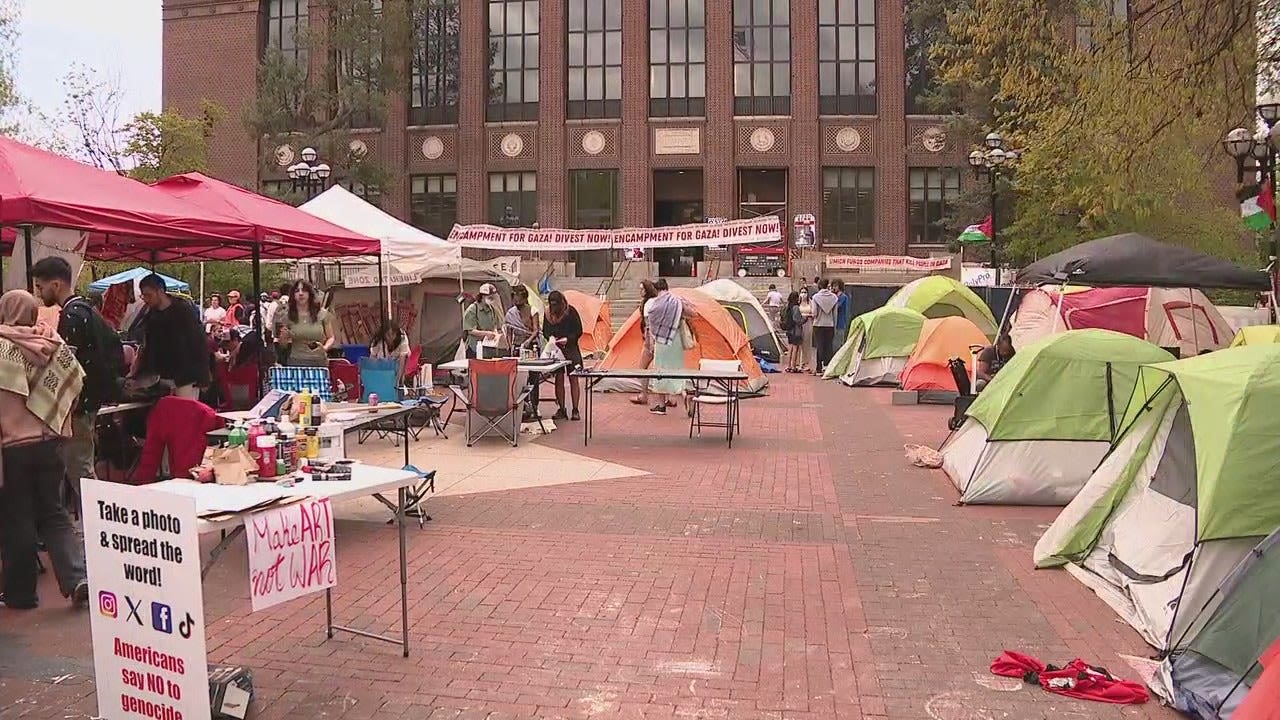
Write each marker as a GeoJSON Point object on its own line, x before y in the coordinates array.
{"type": "Point", "coordinates": [809, 572]}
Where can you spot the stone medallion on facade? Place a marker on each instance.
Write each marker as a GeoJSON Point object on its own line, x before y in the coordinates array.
{"type": "Point", "coordinates": [512, 145]}
{"type": "Point", "coordinates": [358, 149]}
{"type": "Point", "coordinates": [432, 148]}
{"type": "Point", "coordinates": [848, 139]}
{"type": "Point", "coordinates": [763, 139]}
{"type": "Point", "coordinates": [934, 139]}
{"type": "Point", "coordinates": [284, 156]}
{"type": "Point", "coordinates": [593, 142]}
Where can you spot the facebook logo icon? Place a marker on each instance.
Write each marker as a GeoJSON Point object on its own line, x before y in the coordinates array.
{"type": "Point", "coordinates": [161, 618]}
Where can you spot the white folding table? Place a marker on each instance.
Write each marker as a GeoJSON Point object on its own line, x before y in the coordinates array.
{"type": "Point", "coordinates": [229, 500]}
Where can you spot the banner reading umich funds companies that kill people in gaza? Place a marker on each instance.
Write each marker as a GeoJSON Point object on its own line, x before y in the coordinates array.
{"type": "Point", "coordinates": [147, 607]}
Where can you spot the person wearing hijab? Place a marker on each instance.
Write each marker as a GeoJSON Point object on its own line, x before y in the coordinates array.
{"type": "Point", "coordinates": [40, 381]}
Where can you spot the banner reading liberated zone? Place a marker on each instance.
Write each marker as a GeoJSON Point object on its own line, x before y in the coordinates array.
{"type": "Point", "coordinates": [762, 230]}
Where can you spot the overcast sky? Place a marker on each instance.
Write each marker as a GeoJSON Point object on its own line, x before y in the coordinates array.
{"type": "Point", "coordinates": [120, 38]}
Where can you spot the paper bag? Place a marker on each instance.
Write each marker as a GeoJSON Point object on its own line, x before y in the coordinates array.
{"type": "Point", "coordinates": [231, 465]}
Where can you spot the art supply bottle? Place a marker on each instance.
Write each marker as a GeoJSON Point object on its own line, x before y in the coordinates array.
{"type": "Point", "coordinates": [267, 456]}
{"type": "Point", "coordinates": [252, 439]}
{"type": "Point", "coordinates": [238, 436]}
{"type": "Point", "coordinates": [304, 408]}
{"type": "Point", "coordinates": [313, 443]}
{"type": "Point", "coordinates": [331, 445]}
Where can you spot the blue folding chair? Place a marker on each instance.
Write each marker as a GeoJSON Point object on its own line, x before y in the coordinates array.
{"type": "Point", "coordinates": [297, 379]}
{"type": "Point", "coordinates": [379, 376]}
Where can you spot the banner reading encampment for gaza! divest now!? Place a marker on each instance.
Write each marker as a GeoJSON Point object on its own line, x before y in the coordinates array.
{"type": "Point", "coordinates": [762, 230]}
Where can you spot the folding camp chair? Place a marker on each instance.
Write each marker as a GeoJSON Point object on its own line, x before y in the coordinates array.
{"type": "Point", "coordinates": [344, 378]}
{"type": "Point", "coordinates": [419, 386]}
{"type": "Point", "coordinates": [493, 399]}
{"type": "Point", "coordinates": [701, 396]}
{"type": "Point", "coordinates": [378, 377]}
{"type": "Point", "coordinates": [297, 379]}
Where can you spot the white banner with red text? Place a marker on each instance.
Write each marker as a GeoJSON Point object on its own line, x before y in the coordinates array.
{"type": "Point", "coordinates": [887, 263]}
{"type": "Point", "coordinates": [762, 230]}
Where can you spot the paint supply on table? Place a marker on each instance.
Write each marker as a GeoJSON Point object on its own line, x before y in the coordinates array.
{"type": "Point", "coordinates": [304, 408]}
{"type": "Point", "coordinates": [313, 443]}
{"type": "Point", "coordinates": [267, 456]}
{"type": "Point", "coordinates": [331, 436]}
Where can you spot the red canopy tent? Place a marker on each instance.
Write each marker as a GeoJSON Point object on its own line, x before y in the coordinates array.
{"type": "Point", "coordinates": [42, 188]}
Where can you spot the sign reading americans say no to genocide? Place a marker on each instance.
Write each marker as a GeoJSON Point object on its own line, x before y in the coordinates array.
{"type": "Point", "coordinates": [755, 231]}
{"type": "Point", "coordinates": [147, 607]}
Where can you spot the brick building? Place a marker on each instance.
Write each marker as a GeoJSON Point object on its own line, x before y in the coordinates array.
{"type": "Point", "coordinates": [611, 113]}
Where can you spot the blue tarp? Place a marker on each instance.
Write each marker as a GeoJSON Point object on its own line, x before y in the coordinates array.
{"type": "Point", "coordinates": [135, 274]}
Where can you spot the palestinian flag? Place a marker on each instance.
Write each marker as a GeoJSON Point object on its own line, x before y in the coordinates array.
{"type": "Point", "coordinates": [1259, 211]}
{"type": "Point", "coordinates": [975, 234]}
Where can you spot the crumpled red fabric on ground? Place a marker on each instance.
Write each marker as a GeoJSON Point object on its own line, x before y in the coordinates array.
{"type": "Point", "coordinates": [1078, 679]}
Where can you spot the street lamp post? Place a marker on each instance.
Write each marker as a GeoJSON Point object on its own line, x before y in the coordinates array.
{"type": "Point", "coordinates": [309, 177]}
{"type": "Point", "coordinates": [1260, 147]}
{"type": "Point", "coordinates": [993, 160]}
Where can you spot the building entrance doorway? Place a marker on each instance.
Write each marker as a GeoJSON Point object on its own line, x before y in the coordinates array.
{"type": "Point", "coordinates": [677, 200]}
{"type": "Point", "coordinates": [760, 193]}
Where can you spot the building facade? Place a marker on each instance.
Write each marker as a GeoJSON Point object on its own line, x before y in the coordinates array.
{"type": "Point", "coordinates": [612, 113]}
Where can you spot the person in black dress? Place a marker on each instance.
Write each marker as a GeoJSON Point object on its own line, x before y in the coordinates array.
{"type": "Point", "coordinates": [564, 325]}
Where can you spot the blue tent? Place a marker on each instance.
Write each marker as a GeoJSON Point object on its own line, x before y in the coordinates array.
{"type": "Point", "coordinates": [137, 273]}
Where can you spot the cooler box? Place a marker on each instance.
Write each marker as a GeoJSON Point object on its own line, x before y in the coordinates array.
{"type": "Point", "coordinates": [353, 353]}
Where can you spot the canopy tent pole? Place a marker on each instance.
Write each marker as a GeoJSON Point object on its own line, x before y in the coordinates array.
{"type": "Point", "coordinates": [257, 316]}
{"type": "Point", "coordinates": [26, 241]}
{"type": "Point", "coordinates": [200, 298]}
{"type": "Point", "coordinates": [384, 294]}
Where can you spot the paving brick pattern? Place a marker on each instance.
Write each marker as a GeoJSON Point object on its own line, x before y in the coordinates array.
{"type": "Point", "coordinates": [808, 573]}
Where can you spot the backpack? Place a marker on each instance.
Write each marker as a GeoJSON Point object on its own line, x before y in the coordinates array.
{"type": "Point", "coordinates": [102, 357]}
{"type": "Point", "coordinates": [785, 320]}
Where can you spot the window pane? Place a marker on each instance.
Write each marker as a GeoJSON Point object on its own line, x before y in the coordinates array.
{"type": "Point", "coordinates": [679, 46]}
{"type": "Point", "coordinates": [658, 82]}
{"type": "Point", "coordinates": [697, 45]}
{"type": "Point", "coordinates": [613, 82]}
{"type": "Point", "coordinates": [657, 13]}
{"type": "Point", "coordinates": [678, 88]}
{"type": "Point", "coordinates": [577, 16]}
{"type": "Point", "coordinates": [657, 46]}
{"type": "Point", "coordinates": [496, 182]}
{"type": "Point", "coordinates": [515, 18]}
{"type": "Point", "coordinates": [782, 79]}
{"type": "Point", "coordinates": [613, 49]}
{"type": "Point", "coordinates": [697, 81]}
{"type": "Point", "coordinates": [595, 83]}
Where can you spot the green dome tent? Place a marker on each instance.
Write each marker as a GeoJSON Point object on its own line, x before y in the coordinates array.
{"type": "Point", "coordinates": [878, 346]}
{"type": "Point", "coordinates": [938, 296]}
{"type": "Point", "coordinates": [1190, 487]}
{"type": "Point", "coordinates": [1035, 434]}
{"type": "Point", "coordinates": [1256, 335]}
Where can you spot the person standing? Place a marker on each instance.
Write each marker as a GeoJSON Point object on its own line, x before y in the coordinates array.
{"type": "Point", "coordinates": [824, 324]}
{"type": "Point", "coordinates": [215, 314]}
{"type": "Point", "coordinates": [236, 313]}
{"type": "Point", "coordinates": [793, 325]}
{"type": "Point", "coordinates": [482, 320]}
{"type": "Point", "coordinates": [521, 322]}
{"type": "Point", "coordinates": [306, 330]}
{"type": "Point", "coordinates": [564, 328]}
{"type": "Point", "coordinates": [806, 330]}
{"type": "Point", "coordinates": [97, 348]}
{"type": "Point", "coordinates": [175, 347]}
{"type": "Point", "coordinates": [844, 307]}
{"type": "Point", "coordinates": [40, 383]}
{"type": "Point", "coordinates": [773, 303]}
{"type": "Point", "coordinates": [663, 315]}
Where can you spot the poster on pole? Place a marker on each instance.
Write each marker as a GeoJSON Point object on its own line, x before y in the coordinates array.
{"type": "Point", "coordinates": [146, 610]}
{"type": "Point", "coordinates": [291, 552]}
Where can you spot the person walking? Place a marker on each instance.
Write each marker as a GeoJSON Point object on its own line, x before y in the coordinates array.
{"type": "Point", "coordinates": [40, 383]}
{"type": "Point", "coordinates": [564, 328]}
{"type": "Point", "coordinates": [824, 324]}
{"type": "Point", "coordinates": [175, 346]}
{"type": "Point", "coordinates": [663, 316]}
{"type": "Point", "coordinates": [97, 348]}
{"type": "Point", "coordinates": [305, 330]}
{"type": "Point", "coordinates": [793, 325]}
{"type": "Point", "coordinates": [648, 291]}
{"type": "Point", "coordinates": [806, 328]}
{"type": "Point", "coordinates": [773, 304]}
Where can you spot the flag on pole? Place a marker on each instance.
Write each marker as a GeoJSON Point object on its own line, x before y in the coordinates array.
{"type": "Point", "coordinates": [974, 234]}
{"type": "Point", "coordinates": [1259, 211]}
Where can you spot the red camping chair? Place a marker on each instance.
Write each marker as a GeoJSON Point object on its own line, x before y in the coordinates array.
{"type": "Point", "coordinates": [493, 399]}
{"type": "Point", "coordinates": [238, 385]}
{"type": "Point", "coordinates": [344, 379]}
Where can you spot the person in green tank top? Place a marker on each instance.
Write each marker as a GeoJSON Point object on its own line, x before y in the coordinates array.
{"type": "Point", "coordinates": [305, 331]}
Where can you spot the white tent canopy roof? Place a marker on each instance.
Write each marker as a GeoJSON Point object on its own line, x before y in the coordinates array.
{"type": "Point", "coordinates": [407, 250]}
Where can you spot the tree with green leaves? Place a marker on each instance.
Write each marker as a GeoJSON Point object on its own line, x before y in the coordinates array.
{"type": "Point", "coordinates": [1118, 125]}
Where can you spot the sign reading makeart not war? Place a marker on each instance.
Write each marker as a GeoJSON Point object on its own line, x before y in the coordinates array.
{"type": "Point", "coordinates": [762, 230]}
{"type": "Point", "coordinates": [887, 263]}
{"type": "Point", "coordinates": [147, 608]}
{"type": "Point", "coordinates": [291, 552]}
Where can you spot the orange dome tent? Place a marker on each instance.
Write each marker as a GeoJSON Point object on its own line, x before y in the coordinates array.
{"type": "Point", "coordinates": [940, 340]}
{"type": "Point", "coordinates": [718, 335]}
{"type": "Point", "coordinates": [597, 325]}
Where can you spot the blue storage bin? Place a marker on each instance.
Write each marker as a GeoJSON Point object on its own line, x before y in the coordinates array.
{"type": "Point", "coordinates": [353, 353]}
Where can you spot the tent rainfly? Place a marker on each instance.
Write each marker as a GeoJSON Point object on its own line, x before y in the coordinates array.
{"type": "Point", "coordinates": [878, 346]}
{"type": "Point", "coordinates": [1036, 432]}
{"type": "Point", "coordinates": [938, 296]}
{"type": "Point", "coordinates": [941, 340]}
{"type": "Point", "coordinates": [750, 315]}
{"type": "Point", "coordinates": [1188, 490]}
{"type": "Point", "coordinates": [1135, 260]}
{"type": "Point", "coordinates": [1256, 335]}
{"type": "Point", "coordinates": [597, 324]}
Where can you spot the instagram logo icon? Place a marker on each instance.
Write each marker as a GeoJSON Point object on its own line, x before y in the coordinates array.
{"type": "Point", "coordinates": [107, 603]}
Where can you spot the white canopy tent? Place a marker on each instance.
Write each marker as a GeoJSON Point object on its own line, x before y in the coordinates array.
{"type": "Point", "coordinates": [408, 254]}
